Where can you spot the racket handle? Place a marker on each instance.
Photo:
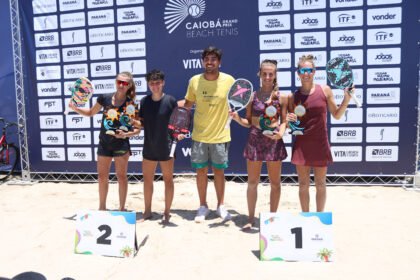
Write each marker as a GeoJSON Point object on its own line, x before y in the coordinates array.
{"type": "Point", "coordinates": [67, 111]}
{"type": "Point", "coordinates": [356, 100]}
{"type": "Point", "coordinates": [171, 154]}
{"type": "Point", "coordinates": [229, 120]}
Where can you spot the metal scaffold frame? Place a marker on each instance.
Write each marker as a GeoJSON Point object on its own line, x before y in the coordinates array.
{"type": "Point", "coordinates": [410, 181]}
{"type": "Point", "coordinates": [20, 93]}
{"type": "Point", "coordinates": [332, 180]}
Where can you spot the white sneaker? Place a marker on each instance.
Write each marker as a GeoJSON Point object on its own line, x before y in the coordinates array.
{"type": "Point", "coordinates": [202, 213]}
{"type": "Point", "coordinates": [223, 213]}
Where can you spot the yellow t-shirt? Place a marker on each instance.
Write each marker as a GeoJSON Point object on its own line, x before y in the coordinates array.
{"type": "Point", "coordinates": [211, 108]}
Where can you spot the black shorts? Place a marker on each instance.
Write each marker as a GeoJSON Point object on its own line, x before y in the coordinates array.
{"type": "Point", "coordinates": [116, 148]}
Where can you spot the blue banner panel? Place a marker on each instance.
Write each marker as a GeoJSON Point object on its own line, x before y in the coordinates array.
{"type": "Point", "coordinates": [65, 40]}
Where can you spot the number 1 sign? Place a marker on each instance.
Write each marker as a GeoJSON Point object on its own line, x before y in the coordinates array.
{"type": "Point", "coordinates": [296, 237]}
{"type": "Point", "coordinates": [108, 233]}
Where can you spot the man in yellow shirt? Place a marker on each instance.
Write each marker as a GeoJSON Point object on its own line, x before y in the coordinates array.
{"type": "Point", "coordinates": [210, 138]}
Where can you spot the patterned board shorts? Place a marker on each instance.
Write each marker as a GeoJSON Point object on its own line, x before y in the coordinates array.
{"type": "Point", "coordinates": [262, 148]}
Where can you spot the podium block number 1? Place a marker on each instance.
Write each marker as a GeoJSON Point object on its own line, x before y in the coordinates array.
{"type": "Point", "coordinates": [296, 237]}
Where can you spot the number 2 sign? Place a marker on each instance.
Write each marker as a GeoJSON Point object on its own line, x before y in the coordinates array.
{"type": "Point", "coordinates": [296, 237]}
{"type": "Point", "coordinates": [108, 233]}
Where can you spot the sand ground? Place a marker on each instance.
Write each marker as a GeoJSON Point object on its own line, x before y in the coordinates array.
{"type": "Point", "coordinates": [376, 234]}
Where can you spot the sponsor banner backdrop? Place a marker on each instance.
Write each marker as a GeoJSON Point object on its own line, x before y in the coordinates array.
{"type": "Point", "coordinates": [66, 40]}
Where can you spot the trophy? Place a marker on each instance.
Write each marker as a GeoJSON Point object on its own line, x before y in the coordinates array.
{"type": "Point", "coordinates": [130, 110]}
{"type": "Point", "coordinates": [300, 111]}
{"type": "Point", "coordinates": [111, 120]}
{"type": "Point", "coordinates": [271, 112]}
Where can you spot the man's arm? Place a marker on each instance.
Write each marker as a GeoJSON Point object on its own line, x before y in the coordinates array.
{"type": "Point", "coordinates": [185, 103]}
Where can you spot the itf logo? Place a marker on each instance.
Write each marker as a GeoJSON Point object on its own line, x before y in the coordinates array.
{"type": "Point", "coordinates": [176, 11]}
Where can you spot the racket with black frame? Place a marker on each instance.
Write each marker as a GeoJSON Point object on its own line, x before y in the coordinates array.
{"type": "Point", "coordinates": [179, 123]}
{"type": "Point", "coordinates": [81, 92]}
{"type": "Point", "coordinates": [239, 96]}
{"type": "Point", "coordinates": [340, 75]}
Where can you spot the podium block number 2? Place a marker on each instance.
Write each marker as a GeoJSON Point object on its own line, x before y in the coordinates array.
{"type": "Point", "coordinates": [296, 237]}
{"type": "Point", "coordinates": [103, 238]}
{"type": "Point", "coordinates": [108, 233]}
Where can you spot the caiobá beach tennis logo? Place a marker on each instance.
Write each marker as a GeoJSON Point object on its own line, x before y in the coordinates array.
{"type": "Point", "coordinates": [176, 11]}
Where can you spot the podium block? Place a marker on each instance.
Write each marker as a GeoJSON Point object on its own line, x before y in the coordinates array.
{"type": "Point", "coordinates": [108, 233]}
{"type": "Point", "coordinates": [296, 237]}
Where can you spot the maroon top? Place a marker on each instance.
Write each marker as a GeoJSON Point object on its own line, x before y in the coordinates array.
{"type": "Point", "coordinates": [258, 106]}
{"type": "Point", "coordinates": [312, 148]}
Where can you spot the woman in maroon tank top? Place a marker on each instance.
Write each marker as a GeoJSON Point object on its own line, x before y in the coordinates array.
{"type": "Point", "coordinates": [312, 150]}
{"type": "Point", "coordinates": [261, 147]}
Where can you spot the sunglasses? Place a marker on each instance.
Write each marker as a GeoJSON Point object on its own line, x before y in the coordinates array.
{"type": "Point", "coordinates": [124, 83]}
{"type": "Point", "coordinates": [305, 70]}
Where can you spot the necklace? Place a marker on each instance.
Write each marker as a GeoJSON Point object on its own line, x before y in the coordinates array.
{"type": "Point", "coordinates": [306, 92]}
{"type": "Point", "coordinates": [117, 102]}
{"type": "Point", "coordinates": [263, 96]}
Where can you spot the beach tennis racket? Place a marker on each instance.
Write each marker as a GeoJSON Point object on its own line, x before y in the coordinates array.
{"type": "Point", "coordinates": [239, 95]}
{"type": "Point", "coordinates": [340, 75]}
{"type": "Point", "coordinates": [179, 123]}
{"type": "Point", "coordinates": [81, 92]}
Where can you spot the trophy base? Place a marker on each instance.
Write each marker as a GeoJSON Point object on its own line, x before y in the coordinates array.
{"type": "Point", "coordinates": [297, 132]}
{"type": "Point", "coordinates": [268, 132]}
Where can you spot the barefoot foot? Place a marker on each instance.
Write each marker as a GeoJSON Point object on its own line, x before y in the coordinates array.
{"type": "Point", "coordinates": [146, 216]}
{"type": "Point", "coordinates": [248, 226]}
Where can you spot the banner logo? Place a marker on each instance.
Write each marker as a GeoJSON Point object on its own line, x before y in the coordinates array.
{"type": "Point", "coordinates": [386, 36]}
{"type": "Point", "coordinates": [384, 16]}
{"type": "Point", "coordinates": [383, 95]}
{"type": "Point", "coordinates": [99, 3]}
{"type": "Point", "coordinates": [381, 153]}
{"type": "Point", "coordinates": [382, 134]}
{"type": "Point", "coordinates": [309, 4]}
{"type": "Point", "coordinates": [309, 21]}
{"type": "Point", "coordinates": [132, 49]}
{"type": "Point", "coordinates": [131, 32]}
{"type": "Point", "coordinates": [383, 115]}
{"type": "Point", "coordinates": [130, 14]}
{"type": "Point", "coordinates": [274, 41]}
{"type": "Point", "coordinates": [79, 154]}
{"type": "Point", "coordinates": [383, 76]}
{"type": "Point", "coordinates": [73, 37]}
{"type": "Point", "coordinates": [346, 153]}
{"type": "Point", "coordinates": [176, 11]}
{"type": "Point", "coordinates": [51, 122]}
{"type": "Point", "coordinates": [345, 3]}
{"type": "Point", "coordinates": [346, 135]}
{"type": "Point", "coordinates": [351, 115]}
{"type": "Point", "coordinates": [52, 138]}
{"type": "Point", "coordinates": [310, 40]}
{"type": "Point", "coordinates": [72, 20]}
{"type": "Point", "coordinates": [346, 38]}
{"type": "Point", "coordinates": [274, 22]}
{"type": "Point", "coordinates": [353, 57]}
{"type": "Point", "coordinates": [284, 60]}
{"type": "Point", "coordinates": [44, 6]}
{"type": "Point", "coordinates": [53, 154]}
{"type": "Point", "coordinates": [104, 34]}
{"type": "Point", "coordinates": [320, 57]}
